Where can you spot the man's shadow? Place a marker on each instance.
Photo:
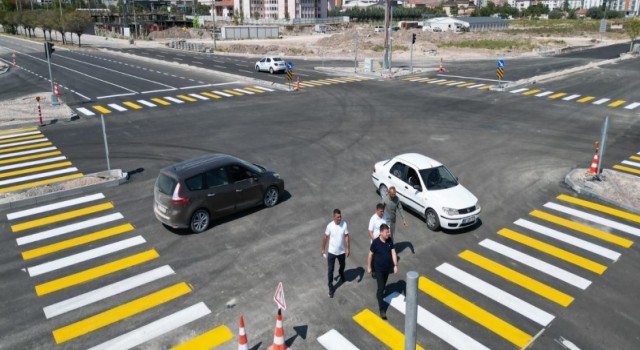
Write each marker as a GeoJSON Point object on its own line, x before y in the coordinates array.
{"type": "Point", "coordinates": [399, 286]}
{"type": "Point", "coordinates": [401, 246]}
{"type": "Point", "coordinates": [350, 275]}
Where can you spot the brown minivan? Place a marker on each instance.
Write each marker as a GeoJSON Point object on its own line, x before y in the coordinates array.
{"type": "Point", "coordinates": [193, 192]}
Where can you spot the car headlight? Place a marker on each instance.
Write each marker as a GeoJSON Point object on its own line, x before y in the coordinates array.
{"type": "Point", "coordinates": [450, 211]}
{"type": "Point", "coordinates": [478, 206]}
{"type": "Point", "coordinates": [276, 175]}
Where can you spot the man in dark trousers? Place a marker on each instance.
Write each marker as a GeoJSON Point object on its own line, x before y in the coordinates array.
{"type": "Point", "coordinates": [381, 262]}
{"type": "Point", "coordinates": [337, 234]}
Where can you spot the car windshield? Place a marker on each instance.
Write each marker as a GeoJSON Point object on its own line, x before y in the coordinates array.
{"type": "Point", "coordinates": [438, 178]}
{"type": "Point", "coordinates": [277, 59]}
{"type": "Point", "coordinates": [253, 167]}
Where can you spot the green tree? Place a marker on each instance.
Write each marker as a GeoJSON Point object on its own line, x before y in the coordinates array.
{"type": "Point", "coordinates": [77, 22]}
{"type": "Point", "coordinates": [556, 13]}
{"type": "Point", "coordinates": [632, 27]}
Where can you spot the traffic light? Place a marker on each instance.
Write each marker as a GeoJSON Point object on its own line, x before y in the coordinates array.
{"type": "Point", "coordinates": [48, 49]}
{"type": "Point", "coordinates": [413, 38]}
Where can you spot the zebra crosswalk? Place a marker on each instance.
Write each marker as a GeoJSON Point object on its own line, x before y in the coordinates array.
{"type": "Point", "coordinates": [630, 166]}
{"type": "Point", "coordinates": [329, 81]}
{"type": "Point", "coordinates": [87, 237]}
{"type": "Point", "coordinates": [165, 101]}
{"type": "Point", "coordinates": [28, 159]}
{"type": "Point", "coordinates": [510, 287]}
{"type": "Point", "coordinates": [450, 83]}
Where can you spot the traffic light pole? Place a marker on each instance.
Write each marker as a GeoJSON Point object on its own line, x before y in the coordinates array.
{"type": "Point", "coordinates": [411, 60]}
{"type": "Point", "coordinates": [54, 98]}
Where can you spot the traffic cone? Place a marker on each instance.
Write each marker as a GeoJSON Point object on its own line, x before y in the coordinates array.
{"type": "Point", "coordinates": [594, 164]}
{"type": "Point", "coordinates": [55, 89]}
{"type": "Point", "coordinates": [242, 336]}
{"type": "Point", "coordinates": [278, 336]}
{"type": "Point", "coordinates": [441, 70]}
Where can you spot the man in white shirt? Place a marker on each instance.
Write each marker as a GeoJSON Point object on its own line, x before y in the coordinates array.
{"type": "Point", "coordinates": [376, 220]}
{"type": "Point", "coordinates": [338, 236]}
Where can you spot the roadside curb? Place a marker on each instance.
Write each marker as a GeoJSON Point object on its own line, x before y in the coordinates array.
{"type": "Point", "coordinates": [607, 197]}
{"type": "Point", "coordinates": [115, 177]}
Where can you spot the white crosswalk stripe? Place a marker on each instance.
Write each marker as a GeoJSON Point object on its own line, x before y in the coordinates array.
{"type": "Point", "coordinates": [38, 176]}
{"type": "Point", "coordinates": [173, 99]}
{"type": "Point", "coordinates": [518, 90]}
{"type": "Point", "coordinates": [20, 134]}
{"type": "Point", "coordinates": [147, 103]}
{"type": "Point", "coordinates": [85, 111]}
{"type": "Point", "coordinates": [632, 105]}
{"type": "Point", "coordinates": [542, 94]}
{"type": "Point", "coordinates": [22, 143]}
{"type": "Point", "coordinates": [601, 101]}
{"type": "Point", "coordinates": [594, 218]}
{"type": "Point", "coordinates": [24, 153]}
{"type": "Point", "coordinates": [572, 97]}
{"type": "Point", "coordinates": [333, 340]}
{"type": "Point", "coordinates": [31, 163]}
{"type": "Point", "coordinates": [68, 228]}
{"type": "Point", "coordinates": [628, 162]}
{"type": "Point", "coordinates": [117, 107]}
{"type": "Point", "coordinates": [222, 93]}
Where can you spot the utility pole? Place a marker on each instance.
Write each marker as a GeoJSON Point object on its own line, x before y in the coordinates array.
{"type": "Point", "coordinates": [355, 59]}
{"type": "Point", "coordinates": [385, 58]}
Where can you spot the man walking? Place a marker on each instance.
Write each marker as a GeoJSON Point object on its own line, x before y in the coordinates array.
{"type": "Point", "coordinates": [338, 236]}
{"type": "Point", "coordinates": [392, 207]}
{"type": "Point", "coordinates": [382, 261]}
{"type": "Point", "coordinates": [377, 219]}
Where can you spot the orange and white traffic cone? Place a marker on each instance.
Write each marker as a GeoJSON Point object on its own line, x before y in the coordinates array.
{"type": "Point", "coordinates": [441, 70]}
{"type": "Point", "coordinates": [278, 336]}
{"type": "Point", "coordinates": [594, 164]}
{"type": "Point", "coordinates": [55, 89]}
{"type": "Point", "coordinates": [242, 336]}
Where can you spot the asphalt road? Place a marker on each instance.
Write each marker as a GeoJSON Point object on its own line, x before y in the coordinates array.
{"type": "Point", "coordinates": [511, 151]}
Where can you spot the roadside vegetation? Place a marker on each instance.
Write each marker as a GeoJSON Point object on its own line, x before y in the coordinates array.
{"type": "Point", "coordinates": [525, 45]}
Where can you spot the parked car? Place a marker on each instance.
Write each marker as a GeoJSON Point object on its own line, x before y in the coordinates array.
{"type": "Point", "coordinates": [378, 29]}
{"type": "Point", "coordinates": [191, 193]}
{"type": "Point", "coordinates": [271, 65]}
{"type": "Point", "coordinates": [427, 187]}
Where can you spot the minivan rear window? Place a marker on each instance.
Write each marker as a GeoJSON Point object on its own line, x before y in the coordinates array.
{"type": "Point", "coordinates": [166, 184]}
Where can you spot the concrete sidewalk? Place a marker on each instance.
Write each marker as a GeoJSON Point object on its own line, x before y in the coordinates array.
{"type": "Point", "coordinates": [615, 187]}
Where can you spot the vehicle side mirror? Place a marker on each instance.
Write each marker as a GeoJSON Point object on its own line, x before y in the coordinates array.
{"type": "Point", "coordinates": [417, 188]}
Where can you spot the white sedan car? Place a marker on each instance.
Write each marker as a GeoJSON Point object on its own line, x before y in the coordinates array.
{"type": "Point", "coordinates": [271, 65]}
{"type": "Point", "coordinates": [428, 188]}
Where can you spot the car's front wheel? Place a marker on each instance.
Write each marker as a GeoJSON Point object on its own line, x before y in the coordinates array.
{"type": "Point", "coordinates": [199, 221]}
{"type": "Point", "coordinates": [257, 68]}
{"type": "Point", "coordinates": [271, 197]}
{"type": "Point", "coordinates": [431, 217]}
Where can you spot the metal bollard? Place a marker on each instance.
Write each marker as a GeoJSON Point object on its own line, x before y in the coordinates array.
{"type": "Point", "coordinates": [411, 311]}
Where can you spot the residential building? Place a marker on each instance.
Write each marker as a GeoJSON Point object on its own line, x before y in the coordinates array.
{"type": "Point", "coordinates": [281, 9]}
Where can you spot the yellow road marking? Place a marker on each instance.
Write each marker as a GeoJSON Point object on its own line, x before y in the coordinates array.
{"type": "Point", "coordinates": [186, 98]}
{"type": "Point", "coordinates": [160, 101]}
{"type": "Point", "coordinates": [132, 105]}
{"type": "Point", "coordinates": [96, 272]}
{"type": "Point", "coordinates": [119, 313]}
{"type": "Point", "coordinates": [627, 169]}
{"type": "Point", "coordinates": [600, 208]}
{"type": "Point", "coordinates": [101, 109]}
{"type": "Point", "coordinates": [233, 92]}
{"type": "Point", "coordinates": [517, 278]}
{"type": "Point", "coordinates": [531, 92]}
{"type": "Point", "coordinates": [558, 95]}
{"type": "Point", "coordinates": [635, 157]}
{"type": "Point", "coordinates": [475, 313]}
{"type": "Point", "coordinates": [16, 131]}
{"type": "Point", "coordinates": [254, 90]}
{"type": "Point", "coordinates": [74, 242]}
{"type": "Point", "coordinates": [34, 170]}
{"type": "Point", "coordinates": [208, 94]}
{"type": "Point", "coordinates": [24, 138]}
{"type": "Point", "coordinates": [605, 236]}
{"type": "Point", "coordinates": [206, 341]}
{"type": "Point", "coordinates": [312, 83]}
{"type": "Point", "coordinates": [617, 103]}
{"type": "Point", "coordinates": [61, 217]}
{"type": "Point", "coordinates": [486, 87]}
{"type": "Point", "coordinates": [21, 148]}
{"type": "Point", "coordinates": [446, 82]}
{"type": "Point", "coordinates": [554, 251]}
{"type": "Point", "coordinates": [428, 80]}
{"type": "Point", "coordinates": [39, 183]}
{"type": "Point", "coordinates": [382, 330]}
{"type": "Point", "coordinates": [585, 99]}
{"type": "Point", "coordinates": [466, 84]}
{"type": "Point", "coordinates": [33, 156]}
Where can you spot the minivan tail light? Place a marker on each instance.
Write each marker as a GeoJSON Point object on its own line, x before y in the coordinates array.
{"type": "Point", "coordinates": [176, 199]}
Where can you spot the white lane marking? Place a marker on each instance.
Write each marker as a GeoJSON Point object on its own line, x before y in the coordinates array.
{"type": "Point", "coordinates": [35, 162]}
{"type": "Point", "coordinates": [68, 228]}
{"type": "Point", "coordinates": [19, 134]}
{"type": "Point", "coordinates": [542, 94]}
{"type": "Point", "coordinates": [263, 88]}
{"type": "Point", "coordinates": [594, 218]}
{"type": "Point", "coordinates": [222, 93]}
{"type": "Point", "coordinates": [437, 81]}
{"type": "Point", "coordinates": [21, 143]}
{"type": "Point", "coordinates": [106, 291]}
{"type": "Point", "coordinates": [518, 90]}
{"type": "Point", "coordinates": [633, 105]}
{"type": "Point", "coordinates": [147, 103]}
{"type": "Point", "coordinates": [476, 86]}
{"type": "Point", "coordinates": [514, 303]}
{"type": "Point", "coordinates": [161, 90]}
{"type": "Point", "coordinates": [572, 97]}
{"type": "Point", "coordinates": [537, 264]}
{"type": "Point", "coordinates": [174, 100]}
{"type": "Point", "coordinates": [117, 107]}
{"type": "Point", "coordinates": [244, 91]}
{"type": "Point", "coordinates": [580, 243]}
{"type": "Point", "coordinates": [456, 83]}
{"type": "Point", "coordinates": [43, 268]}
{"type": "Point", "coordinates": [31, 151]}
{"type": "Point", "coordinates": [601, 101]}
{"type": "Point", "coordinates": [155, 328]}
{"type": "Point", "coordinates": [38, 176]}
{"type": "Point", "coordinates": [198, 96]}
{"type": "Point", "coordinates": [333, 340]}
{"type": "Point", "coordinates": [628, 162]}
{"type": "Point", "coordinates": [85, 111]}
{"type": "Point", "coordinates": [54, 206]}
{"type": "Point", "coordinates": [437, 326]}
{"type": "Point", "coordinates": [117, 95]}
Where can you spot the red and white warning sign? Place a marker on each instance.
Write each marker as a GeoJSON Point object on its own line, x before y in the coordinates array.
{"type": "Point", "coordinates": [279, 297]}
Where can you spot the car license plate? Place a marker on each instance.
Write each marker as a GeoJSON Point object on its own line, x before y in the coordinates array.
{"type": "Point", "coordinates": [469, 219]}
{"type": "Point", "coordinates": [161, 207]}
